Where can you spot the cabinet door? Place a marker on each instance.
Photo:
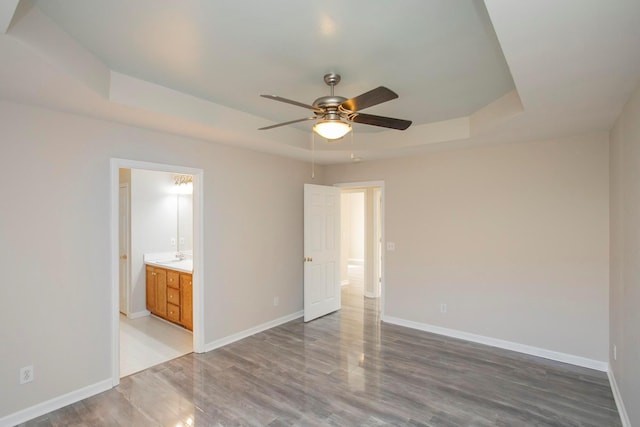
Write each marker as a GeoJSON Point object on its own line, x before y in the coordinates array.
{"type": "Point", "coordinates": [151, 290]}
{"type": "Point", "coordinates": [186, 301]}
{"type": "Point", "coordinates": [161, 292]}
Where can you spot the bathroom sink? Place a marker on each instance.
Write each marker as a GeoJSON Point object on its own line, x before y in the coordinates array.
{"type": "Point", "coordinates": [170, 262]}
{"type": "Point", "coordinates": [185, 265]}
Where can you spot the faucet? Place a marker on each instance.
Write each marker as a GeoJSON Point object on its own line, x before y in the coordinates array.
{"type": "Point", "coordinates": [180, 255]}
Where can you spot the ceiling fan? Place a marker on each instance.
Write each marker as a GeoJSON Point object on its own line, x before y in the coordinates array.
{"type": "Point", "coordinates": [330, 111]}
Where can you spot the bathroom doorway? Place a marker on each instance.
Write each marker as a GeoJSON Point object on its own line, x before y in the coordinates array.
{"type": "Point", "coordinates": [361, 226]}
{"type": "Point", "coordinates": [154, 320]}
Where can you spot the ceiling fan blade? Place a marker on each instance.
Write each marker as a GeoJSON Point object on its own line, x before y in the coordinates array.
{"type": "Point", "coordinates": [385, 122]}
{"type": "Point", "coordinates": [289, 101]}
{"type": "Point", "coordinates": [369, 99]}
{"type": "Point", "coordinates": [288, 123]}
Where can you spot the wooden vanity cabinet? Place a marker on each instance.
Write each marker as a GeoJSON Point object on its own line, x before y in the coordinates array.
{"type": "Point", "coordinates": [173, 296]}
{"type": "Point", "coordinates": [170, 295]}
{"type": "Point", "coordinates": [157, 291]}
{"type": "Point", "coordinates": [186, 299]}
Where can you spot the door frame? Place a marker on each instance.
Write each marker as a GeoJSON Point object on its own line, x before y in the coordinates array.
{"type": "Point", "coordinates": [127, 237]}
{"type": "Point", "coordinates": [369, 184]}
{"type": "Point", "coordinates": [198, 253]}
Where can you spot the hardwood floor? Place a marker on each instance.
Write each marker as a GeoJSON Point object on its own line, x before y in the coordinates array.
{"type": "Point", "coordinates": [349, 369]}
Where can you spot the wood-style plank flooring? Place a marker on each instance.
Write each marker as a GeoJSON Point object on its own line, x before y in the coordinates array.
{"type": "Point", "coordinates": [349, 369]}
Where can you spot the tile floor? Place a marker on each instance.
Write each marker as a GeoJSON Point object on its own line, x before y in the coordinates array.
{"type": "Point", "coordinates": [149, 341]}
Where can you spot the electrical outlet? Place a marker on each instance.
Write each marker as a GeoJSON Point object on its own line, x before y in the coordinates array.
{"type": "Point", "coordinates": [391, 246]}
{"type": "Point", "coordinates": [26, 374]}
{"type": "Point", "coordinates": [276, 301]}
{"type": "Point", "coordinates": [615, 352]}
{"type": "Point", "coordinates": [443, 308]}
{"type": "Point", "coordinates": [173, 241]}
{"type": "Point", "coordinates": [182, 241]}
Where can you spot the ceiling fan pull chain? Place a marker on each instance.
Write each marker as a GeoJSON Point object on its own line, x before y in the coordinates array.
{"type": "Point", "coordinates": [352, 153]}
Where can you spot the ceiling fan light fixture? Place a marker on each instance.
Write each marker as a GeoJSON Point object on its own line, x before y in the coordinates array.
{"type": "Point", "coordinates": [332, 129]}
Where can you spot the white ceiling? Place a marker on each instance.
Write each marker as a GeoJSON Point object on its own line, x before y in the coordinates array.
{"type": "Point", "coordinates": [467, 72]}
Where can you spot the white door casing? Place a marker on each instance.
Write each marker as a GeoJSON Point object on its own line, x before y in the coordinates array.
{"type": "Point", "coordinates": [123, 244]}
{"type": "Point", "coordinates": [321, 250]}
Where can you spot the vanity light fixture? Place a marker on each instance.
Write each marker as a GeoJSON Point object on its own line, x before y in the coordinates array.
{"type": "Point", "coordinates": [183, 179]}
{"type": "Point", "coordinates": [184, 184]}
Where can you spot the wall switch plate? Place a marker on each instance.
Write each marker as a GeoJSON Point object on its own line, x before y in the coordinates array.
{"type": "Point", "coordinates": [181, 241]}
{"type": "Point", "coordinates": [615, 352]}
{"type": "Point", "coordinates": [173, 241]}
{"type": "Point", "coordinates": [391, 246]}
{"type": "Point", "coordinates": [26, 374]}
{"type": "Point", "coordinates": [443, 308]}
{"type": "Point", "coordinates": [276, 301]}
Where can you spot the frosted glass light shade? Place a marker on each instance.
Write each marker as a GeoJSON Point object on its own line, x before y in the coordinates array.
{"type": "Point", "coordinates": [332, 129]}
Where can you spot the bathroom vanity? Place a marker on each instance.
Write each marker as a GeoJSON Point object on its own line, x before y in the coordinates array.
{"type": "Point", "coordinates": [170, 291]}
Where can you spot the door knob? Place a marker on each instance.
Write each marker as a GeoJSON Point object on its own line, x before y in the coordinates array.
{"type": "Point", "coordinates": [123, 257]}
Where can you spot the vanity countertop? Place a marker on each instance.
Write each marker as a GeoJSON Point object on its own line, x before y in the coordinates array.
{"type": "Point", "coordinates": [169, 261]}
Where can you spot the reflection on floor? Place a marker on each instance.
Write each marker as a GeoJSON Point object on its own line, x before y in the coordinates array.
{"type": "Point", "coordinates": [350, 369]}
{"type": "Point", "coordinates": [149, 341]}
{"type": "Point", "coordinates": [355, 275]}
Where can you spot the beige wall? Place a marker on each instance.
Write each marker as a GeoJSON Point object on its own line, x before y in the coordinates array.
{"type": "Point", "coordinates": [56, 247]}
{"type": "Point", "coordinates": [514, 238]}
{"type": "Point", "coordinates": [625, 255]}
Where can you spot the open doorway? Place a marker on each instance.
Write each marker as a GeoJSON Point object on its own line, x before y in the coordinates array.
{"type": "Point", "coordinates": [361, 225]}
{"type": "Point", "coordinates": [156, 226]}
{"type": "Point", "coordinates": [156, 267]}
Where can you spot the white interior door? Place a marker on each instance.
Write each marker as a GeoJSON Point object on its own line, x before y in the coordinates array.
{"type": "Point", "coordinates": [123, 242]}
{"type": "Point", "coordinates": [321, 250]}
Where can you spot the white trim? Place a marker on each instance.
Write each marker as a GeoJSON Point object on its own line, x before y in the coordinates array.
{"type": "Point", "coordinates": [507, 345]}
{"type": "Point", "coordinates": [198, 254]}
{"type": "Point", "coordinates": [355, 261]}
{"type": "Point", "coordinates": [252, 331]}
{"type": "Point", "coordinates": [55, 403]}
{"type": "Point", "coordinates": [139, 314]}
{"type": "Point", "coordinates": [624, 417]}
{"type": "Point", "coordinates": [344, 282]}
{"type": "Point", "coordinates": [360, 184]}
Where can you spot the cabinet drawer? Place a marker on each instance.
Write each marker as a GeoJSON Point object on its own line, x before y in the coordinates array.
{"type": "Point", "coordinates": [173, 279]}
{"type": "Point", "coordinates": [173, 312]}
{"type": "Point", "coordinates": [173, 296]}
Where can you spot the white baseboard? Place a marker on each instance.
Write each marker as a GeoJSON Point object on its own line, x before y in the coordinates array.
{"type": "Point", "coordinates": [55, 403]}
{"type": "Point", "coordinates": [507, 345]}
{"type": "Point", "coordinates": [370, 294]}
{"type": "Point", "coordinates": [355, 261]}
{"type": "Point", "coordinates": [252, 331]}
{"type": "Point", "coordinates": [139, 314]}
{"type": "Point", "coordinates": [624, 417]}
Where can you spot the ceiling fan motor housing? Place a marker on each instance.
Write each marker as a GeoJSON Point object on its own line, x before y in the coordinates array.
{"type": "Point", "coordinates": [329, 102]}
